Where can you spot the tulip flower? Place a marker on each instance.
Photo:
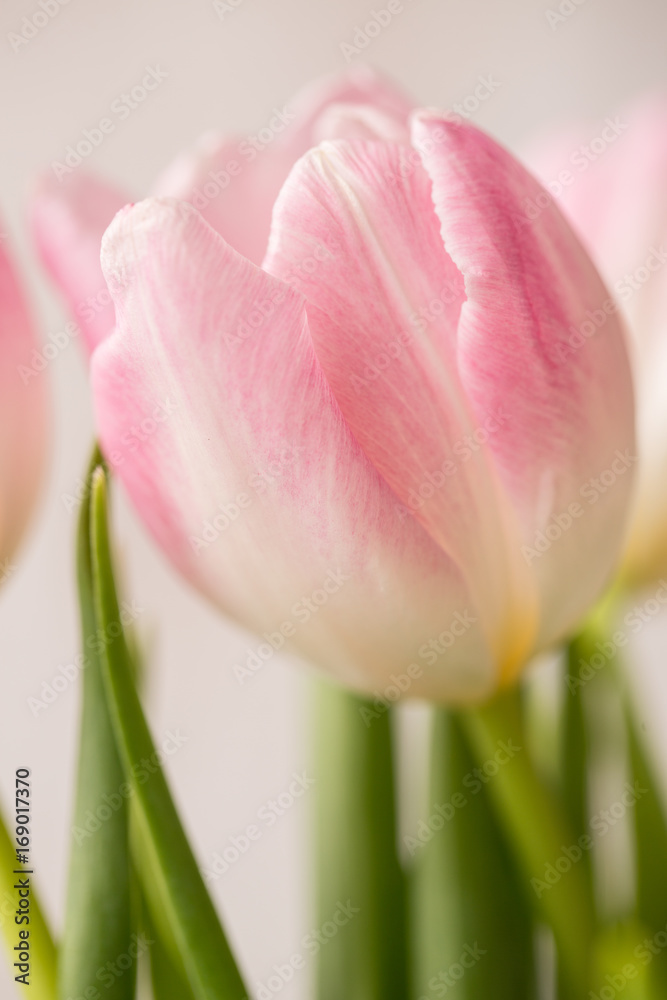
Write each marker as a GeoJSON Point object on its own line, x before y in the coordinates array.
{"type": "Point", "coordinates": [365, 443]}
{"type": "Point", "coordinates": [23, 409]}
{"type": "Point", "coordinates": [611, 182]}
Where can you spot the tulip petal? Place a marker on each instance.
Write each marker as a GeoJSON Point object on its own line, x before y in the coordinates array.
{"type": "Point", "coordinates": [539, 334]}
{"type": "Point", "coordinates": [216, 415]}
{"type": "Point", "coordinates": [615, 196]}
{"type": "Point", "coordinates": [23, 413]}
{"type": "Point", "coordinates": [383, 307]}
{"type": "Point", "coordinates": [234, 182]}
{"type": "Point", "coordinates": [452, 323]}
{"type": "Point", "coordinates": [616, 199]}
{"type": "Point", "coordinates": [68, 220]}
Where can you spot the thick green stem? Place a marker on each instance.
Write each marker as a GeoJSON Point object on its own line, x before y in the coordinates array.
{"type": "Point", "coordinates": [539, 834]}
{"type": "Point", "coordinates": [470, 899]}
{"type": "Point", "coordinates": [360, 880]}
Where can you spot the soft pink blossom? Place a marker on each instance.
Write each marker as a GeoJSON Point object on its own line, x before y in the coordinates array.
{"type": "Point", "coordinates": [610, 179]}
{"type": "Point", "coordinates": [371, 445]}
{"type": "Point", "coordinates": [23, 413]}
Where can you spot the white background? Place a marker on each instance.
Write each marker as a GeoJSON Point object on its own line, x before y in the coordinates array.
{"type": "Point", "coordinates": [243, 742]}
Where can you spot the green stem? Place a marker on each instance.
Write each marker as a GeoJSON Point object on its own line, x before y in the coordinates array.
{"type": "Point", "coordinates": [649, 813]}
{"type": "Point", "coordinates": [575, 748]}
{"type": "Point", "coordinates": [468, 894]}
{"type": "Point", "coordinates": [357, 855]}
{"type": "Point", "coordinates": [42, 949]}
{"type": "Point", "coordinates": [538, 832]}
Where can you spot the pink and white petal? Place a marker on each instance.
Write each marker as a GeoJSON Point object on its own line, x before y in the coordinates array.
{"type": "Point", "coordinates": [538, 335]}
{"type": "Point", "coordinates": [616, 199]}
{"type": "Point", "coordinates": [23, 414]}
{"type": "Point", "coordinates": [359, 121]}
{"type": "Point", "coordinates": [646, 547]}
{"type": "Point", "coordinates": [214, 411]}
{"type": "Point", "coordinates": [616, 196]}
{"type": "Point", "coordinates": [357, 85]}
{"type": "Point", "coordinates": [234, 181]}
{"type": "Point", "coordinates": [68, 219]}
{"type": "Point", "coordinates": [233, 184]}
{"type": "Point", "coordinates": [384, 301]}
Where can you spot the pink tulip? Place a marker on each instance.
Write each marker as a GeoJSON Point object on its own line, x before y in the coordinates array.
{"type": "Point", "coordinates": [23, 415]}
{"type": "Point", "coordinates": [370, 449]}
{"type": "Point", "coordinates": [611, 182]}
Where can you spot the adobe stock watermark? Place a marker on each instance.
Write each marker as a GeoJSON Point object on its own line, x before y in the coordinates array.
{"type": "Point", "coordinates": [32, 24]}
{"type": "Point", "coordinates": [263, 309]}
{"type": "Point", "coordinates": [41, 358]}
{"type": "Point", "coordinates": [247, 150]}
{"type": "Point", "coordinates": [418, 323]}
{"type": "Point", "coordinates": [634, 281]}
{"type": "Point", "coordinates": [110, 972]}
{"type": "Point", "coordinates": [121, 109]}
{"type": "Point", "coordinates": [473, 782]}
{"type": "Point", "coordinates": [258, 483]}
{"type": "Point", "coordinates": [311, 943]}
{"type": "Point", "coordinates": [625, 287]}
{"type": "Point", "coordinates": [434, 648]}
{"type": "Point", "coordinates": [605, 650]}
{"type": "Point", "coordinates": [591, 491]}
{"type": "Point", "coordinates": [268, 815]}
{"type": "Point", "coordinates": [462, 450]}
{"type": "Point", "coordinates": [445, 980]}
{"type": "Point", "coordinates": [303, 610]}
{"type": "Point", "coordinates": [130, 441]}
{"type": "Point", "coordinates": [67, 674]}
{"type": "Point", "coordinates": [564, 10]}
{"type": "Point", "coordinates": [645, 952]}
{"type": "Point", "coordinates": [580, 159]}
{"type": "Point", "coordinates": [365, 34]}
{"type": "Point", "coordinates": [484, 88]}
{"type": "Point", "coordinates": [400, 684]}
{"type": "Point", "coordinates": [111, 802]}
{"type": "Point", "coordinates": [224, 7]}
{"type": "Point", "coordinates": [601, 823]}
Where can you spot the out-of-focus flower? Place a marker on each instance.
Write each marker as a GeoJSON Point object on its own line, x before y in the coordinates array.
{"type": "Point", "coordinates": [611, 182]}
{"type": "Point", "coordinates": [23, 415]}
{"type": "Point", "coordinates": [232, 180]}
{"type": "Point", "coordinates": [371, 448]}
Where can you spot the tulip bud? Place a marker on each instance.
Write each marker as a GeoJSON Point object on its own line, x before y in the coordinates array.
{"type": "Point", "coordinates": [23, 410]}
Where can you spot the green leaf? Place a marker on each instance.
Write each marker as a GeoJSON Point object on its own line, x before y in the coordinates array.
{"type": "Point", "coordinates": [98, 926]}
{"type": "Point", "coordinates": [623, 965]}
{"type": "Point", "coordinates": [361, 885]}
{"type": "Point", "coordinates": [575, 757]}
{"type": "Point", "coordinates": [168, 976]}
{"type": "Point", "coordinates": [651, 851]}
{"type": "Point", "coordinates": [537, 831]}
{"type": "Point", "coordinates": [575, 749]}
{"type": "Point", "coordinates": [471, 910]}
{"type": "Point", "coordinates": [169, 861]}
{"type": "Point", "coordinates": [648, 813]}
{"type": "Point", "coordinates": [43, 951]}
